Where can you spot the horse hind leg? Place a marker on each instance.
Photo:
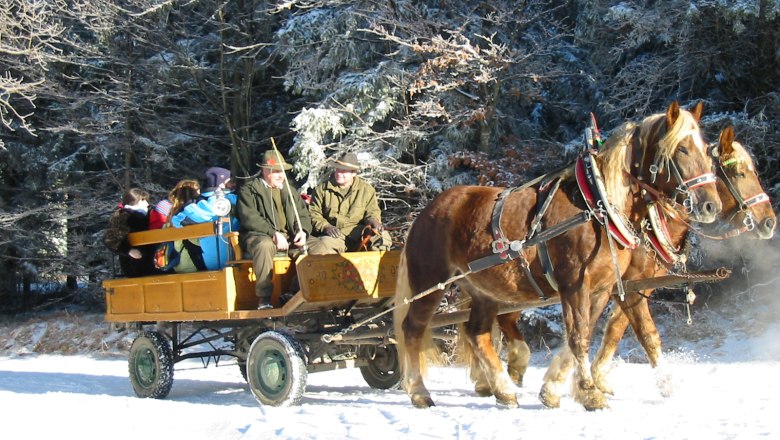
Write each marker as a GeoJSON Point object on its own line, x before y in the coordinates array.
{"type": "Point", "coordinates": [478, 334]}
{"type": "Point", "coordinates": [413, 336]}
{"type": "Point", "coordinates": [518, 353]}
{"type": "Point", "coordinates": [476, 374]}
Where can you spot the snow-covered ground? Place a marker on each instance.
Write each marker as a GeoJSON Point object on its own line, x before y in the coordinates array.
{"type": "Point", "coordinates": [724, 387]}
{"type": "Point", "coordinates": [64, 374]}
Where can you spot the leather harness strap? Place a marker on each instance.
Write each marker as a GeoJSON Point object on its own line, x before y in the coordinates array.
{"type": "Point", "coordinates": [505, 250]}
{"type": "Point", "coordinates": [548, 190]}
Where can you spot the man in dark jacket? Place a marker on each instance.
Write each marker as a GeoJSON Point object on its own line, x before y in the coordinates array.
{"type": "Point", "coordinates": [267, 213]}
{"type": "Point", "coordinates": [342, 208]}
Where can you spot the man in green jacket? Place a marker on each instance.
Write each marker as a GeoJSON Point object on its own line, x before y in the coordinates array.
{"type": "Point", "coordinates": [267, 214]}
{"type": "Point", "coordinates": [342, 207]}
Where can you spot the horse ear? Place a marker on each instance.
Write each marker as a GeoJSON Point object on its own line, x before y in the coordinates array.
{"type": "Point", "coordinates": [697, 111]}
{"type": "Point", "coordinates": [672, 113]}
{"type": "Point", "coordinates": [726, 140]}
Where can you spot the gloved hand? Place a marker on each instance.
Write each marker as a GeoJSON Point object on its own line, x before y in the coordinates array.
{"type": "Point", "coordinates": [332, 231]}
{"type": "Point", "coordinates": [374, 223]}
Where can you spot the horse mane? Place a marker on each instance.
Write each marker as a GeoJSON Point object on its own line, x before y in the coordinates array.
{"type": "Point", "coordinates": [614, 156]}
{"type": "Point", "coordinates": [613, 161]}
{"type": "Point", "coordinates": [685, 125]}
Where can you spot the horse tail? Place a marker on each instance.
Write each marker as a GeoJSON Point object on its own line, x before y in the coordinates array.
{"type": "Point", "coordinates": [429, 352]}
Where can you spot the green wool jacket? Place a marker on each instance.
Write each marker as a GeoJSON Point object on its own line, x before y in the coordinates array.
{"type": "Point", "coordinates": [347, 211]}
{"type": "Point", "coordinates": [257, 214]}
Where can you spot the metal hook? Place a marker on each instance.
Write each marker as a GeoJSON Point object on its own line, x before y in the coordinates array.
{"type": "Point", "coordinates": [749, 222]}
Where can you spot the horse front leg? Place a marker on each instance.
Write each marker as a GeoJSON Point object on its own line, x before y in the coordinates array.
{"type": "Point", "coordinates": [555, 378]}
{"type": "Point", "coordinates": [613, 333]}
{"type": "Point", "coordinates": [478, 334]}
{"type": "Point", "coordinates": [576, 315]}
{"type": "Point", "coordinates": [638, 315]}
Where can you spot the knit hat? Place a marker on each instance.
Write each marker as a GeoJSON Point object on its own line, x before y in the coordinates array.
{"type": "Point", "coordinates": [271, 161]}
{"type": "Point", "coordinates": [216, 176]}
{"type": "Point", "coordinates": [348, 161]}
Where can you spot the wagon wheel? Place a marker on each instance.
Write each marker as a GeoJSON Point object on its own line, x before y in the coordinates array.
{"type": "Point", "coordinates": [242, 369]}
{"type": "Point", "coordinates": [243, 342]}
{"type": "Point", "coordinates": [276, 369]}
{"type": "Point", "coordinates": [151, 365]}
{"type": "Point", "coordinates": [382, 371]}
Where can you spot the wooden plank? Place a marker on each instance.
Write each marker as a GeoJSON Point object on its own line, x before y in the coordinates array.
{"type": "Point", "coordinates": [347, 276]}
{"type": "Point", "coordinates": [164, 235]}
{"type": "Point", "coordinates": [176, 297]}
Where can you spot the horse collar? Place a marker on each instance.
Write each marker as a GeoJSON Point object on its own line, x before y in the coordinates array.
{"type": "Point", "coordinates": [657, 235]}
{"type": "Point", "coordinates": [593, 191]}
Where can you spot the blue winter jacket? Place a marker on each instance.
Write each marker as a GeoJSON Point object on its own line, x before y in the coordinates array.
{"type": "Point", "coordinates": [215, 249]}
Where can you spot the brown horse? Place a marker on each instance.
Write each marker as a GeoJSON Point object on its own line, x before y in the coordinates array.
{"type": "Point", "coordinates": [456, 233]}
{"type": "Point", "coordinates": [746, 209]}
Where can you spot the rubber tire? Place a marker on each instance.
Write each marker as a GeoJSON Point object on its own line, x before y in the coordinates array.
{"type": "Point", "coordinates": [150, 364]}
{"type": "Point", "coordinates": [276, 369]}
{"type": "Point", "coordinates": [242, 369]}
{"type": "Point", "coordinates": [382, 371]}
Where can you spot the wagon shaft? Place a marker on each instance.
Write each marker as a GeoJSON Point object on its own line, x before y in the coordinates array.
{"type": "Point", "coordinates": [719, 274]}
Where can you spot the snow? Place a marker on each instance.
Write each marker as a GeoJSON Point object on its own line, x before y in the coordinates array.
{"type": "Point", "coordinates": [721, 389]}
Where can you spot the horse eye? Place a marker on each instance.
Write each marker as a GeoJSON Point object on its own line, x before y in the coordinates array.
{"type": "Point", "coordinates": [683, 150]}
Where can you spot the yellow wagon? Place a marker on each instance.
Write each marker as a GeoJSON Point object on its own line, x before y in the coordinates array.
{"type": "Point", "coordinates": [212, 315]}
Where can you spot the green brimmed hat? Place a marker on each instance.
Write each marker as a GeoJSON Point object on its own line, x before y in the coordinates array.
{"type": "Point", "coordinates": [348, 161]}
{"type": "Point", "coordinates": [271, 161]}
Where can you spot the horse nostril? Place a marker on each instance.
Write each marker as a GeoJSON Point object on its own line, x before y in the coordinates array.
{"type": "Point", "coordinates": [708, 208]}
{"type": "Point", "coordinates": [769, 224]}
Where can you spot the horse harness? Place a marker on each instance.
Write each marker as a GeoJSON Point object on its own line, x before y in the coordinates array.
{"type": "Point", "coordinates": [591, 186]}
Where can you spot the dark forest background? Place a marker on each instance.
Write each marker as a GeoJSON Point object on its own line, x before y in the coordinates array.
{"type": "Point", "coordinates": [97, 96]}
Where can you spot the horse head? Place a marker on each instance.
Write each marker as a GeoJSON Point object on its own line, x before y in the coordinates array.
{"type": "Point", "coordinates": [675, 161]}
{"type": "Point", "coordinates": [741, 192]}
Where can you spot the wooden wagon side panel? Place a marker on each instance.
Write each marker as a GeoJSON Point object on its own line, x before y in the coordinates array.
{"type": "Point", "coordinates": [348, 276]}
{"type": "Point", "coordinates": [179, 297]}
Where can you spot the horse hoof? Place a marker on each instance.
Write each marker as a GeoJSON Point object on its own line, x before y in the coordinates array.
{"type": "Point", "coordinates": [549, 399]}
{"type": "Point", "coordinates": [606, 389]}
{"type": "Point", "coordinates": [596, 405]}
{"type": "Point", "coordinates": [595, 401]}
{"type": "Point", "coordinates": [516, 376]}
{"type": "Point", "coordinates": [483, 391]}
{"type": "Point", "coordinates": [422, 401]}
{"type": "Point", "coordinates": [509, 400]}
{"type": "Point", "coordinates": [603, 386]}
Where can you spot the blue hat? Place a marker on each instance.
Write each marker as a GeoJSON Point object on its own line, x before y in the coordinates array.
{"type": "Point", "coordinates": [216, 176]}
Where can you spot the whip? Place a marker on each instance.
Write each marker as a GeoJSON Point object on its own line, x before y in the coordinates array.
{"type": "Point", "coordinates": [290, 193]}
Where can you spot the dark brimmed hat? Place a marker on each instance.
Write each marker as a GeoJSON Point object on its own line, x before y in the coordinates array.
{"type": "Point", "coordinates": [271, 161]}
{"type": "Point", "coordinates": [348, 161]}
{"type": "Point", "coordinates": [216, 176]}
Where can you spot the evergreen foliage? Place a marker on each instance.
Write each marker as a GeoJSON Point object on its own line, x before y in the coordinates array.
{"type": "Point", "coordinates": [101, 95]}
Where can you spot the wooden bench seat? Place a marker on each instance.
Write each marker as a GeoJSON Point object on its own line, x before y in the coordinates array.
{"type": "Point", "coordinates": [198, 230]}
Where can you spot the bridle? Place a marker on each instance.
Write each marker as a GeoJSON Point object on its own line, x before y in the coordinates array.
{"type": "Point", "coordinates": [745, 204]}
{"type": "Point", "coordinates": [684, 187]}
